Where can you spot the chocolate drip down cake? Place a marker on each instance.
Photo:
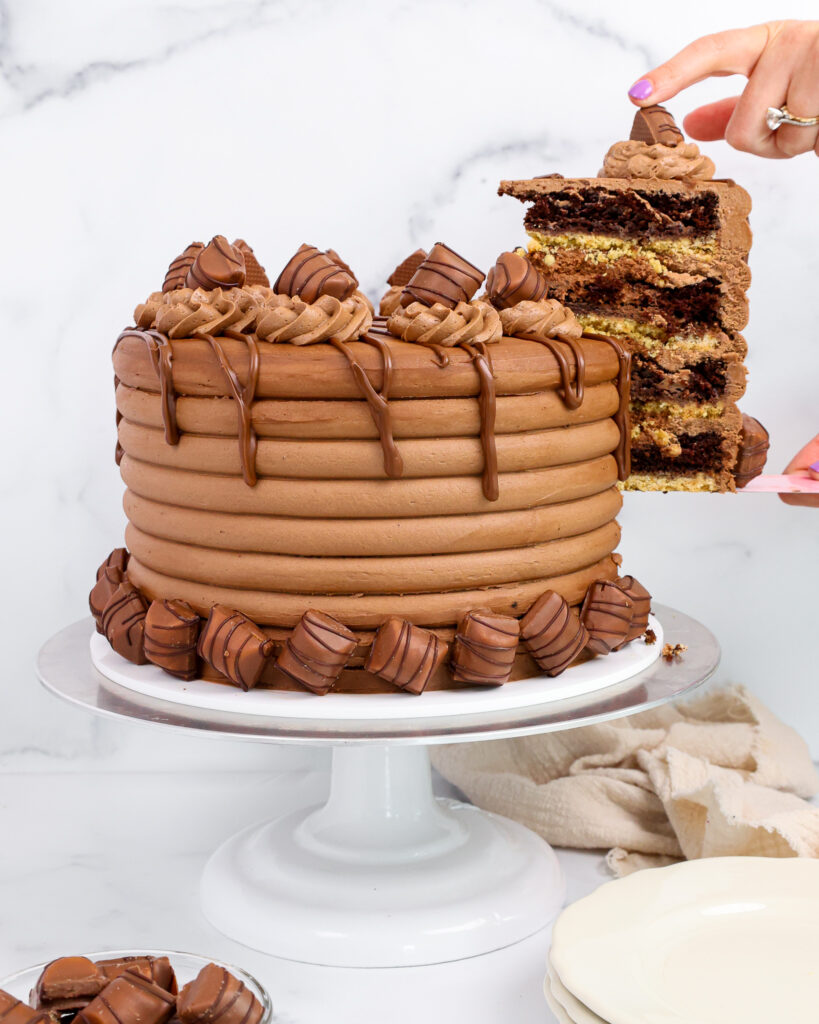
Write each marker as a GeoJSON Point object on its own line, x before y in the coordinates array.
{"type": "Point", "coordinates": [320, 498]}
{"type": "Point", "coordinates": [654, 251]}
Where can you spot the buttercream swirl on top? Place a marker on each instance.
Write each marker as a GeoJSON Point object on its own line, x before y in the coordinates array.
{"type": "Point", "coordinates": [468, 323]}
{"type": "Point", "coordinates": [546, 318]}
{"type": "Point", "coordinates": [185, 312]}
{"type": "Point", "coordinates": [634, 159]}
{"type": "Point", "coordinates": [391, 300]}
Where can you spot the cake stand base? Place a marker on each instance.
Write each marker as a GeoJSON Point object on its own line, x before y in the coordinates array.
{"type": "Point", "coordinates": [383, 874]}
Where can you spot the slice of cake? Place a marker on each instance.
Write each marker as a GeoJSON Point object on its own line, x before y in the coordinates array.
{"type": "Point", "coordinates": [654, 251]}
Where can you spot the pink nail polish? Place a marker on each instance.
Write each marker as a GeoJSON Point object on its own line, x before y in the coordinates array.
{"type": "Point", "coordinates": [641, 90]}
{"type": "Point", "coordinates": [814, 466]}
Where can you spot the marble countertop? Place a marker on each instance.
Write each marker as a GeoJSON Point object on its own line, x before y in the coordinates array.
{"type": "Point", "coordinates": [96, 861]}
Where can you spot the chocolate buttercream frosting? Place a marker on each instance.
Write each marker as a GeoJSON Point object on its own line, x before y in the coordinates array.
{"type": "Point", "coordinates": [439, 324]}
{"type": "Point", "coordinates": [218, 265]}
{"type": "Point", "coordinates": [443, 278]}
{"type": "Point", "coordinates": [286, 318]}
{"type": "Point", "coordinates": [484, 649]}
{"type": "Point", "coordinates": [552, 633]}
{"type": "Point", "coordinates": [311, 274]}
{"type": "Point", "coordinates": [189, 312]}
{"type": "Point", "coordinates": [177, 272]}
{"type": "Point", "coordinates": [606, 613]}
{"type": "Point", "coordinates": [514, 279]}
{"type": "Point", "coordinates": [634, 159]}
{"type": "Point", "coordinates": [540, 320]}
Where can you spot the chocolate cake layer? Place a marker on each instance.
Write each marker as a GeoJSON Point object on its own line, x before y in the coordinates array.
{"type": "Point", "coordinates": [626, 288]}
{"type": "Point", "coordinates": [704, 379]}
{"type": "Point", "coordinates": [637, 208]}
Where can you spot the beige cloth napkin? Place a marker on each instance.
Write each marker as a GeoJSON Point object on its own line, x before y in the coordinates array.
{"type": "Point", "coordinates": [718, 776]}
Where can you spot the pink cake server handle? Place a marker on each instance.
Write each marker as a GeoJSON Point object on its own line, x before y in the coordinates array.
{"type": "Point", "coordinates": [790, 484]}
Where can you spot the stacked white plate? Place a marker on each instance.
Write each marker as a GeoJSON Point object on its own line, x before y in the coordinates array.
{"type": "Point", "coordinates": [731, 940]}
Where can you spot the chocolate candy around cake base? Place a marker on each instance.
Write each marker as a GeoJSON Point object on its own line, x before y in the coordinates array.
{"type": "Point", "coordinates": [553, 633]}
{"type": "Point", "coordinates": [606, 613]}
{"type": "Point", "coordinates": [405, 655]}
{"type": "Point", "coordinates": [484, 649]}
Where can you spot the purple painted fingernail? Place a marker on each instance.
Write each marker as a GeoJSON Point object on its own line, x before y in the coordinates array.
{"type": "Point", "coordinates": [814, 466]}
{"type": "Point", "coordinates": [641, 90]}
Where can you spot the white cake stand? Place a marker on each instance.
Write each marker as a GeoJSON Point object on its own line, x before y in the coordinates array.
{"type": "Point", "coordinates": [384, 874]}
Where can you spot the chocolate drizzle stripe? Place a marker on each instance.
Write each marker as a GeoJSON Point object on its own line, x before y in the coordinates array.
{"type": "Point", "coordinates": [243, 397]}
{"type": "Point", "coordinates": [572, 396]}
{"type": "Point", "coordinates": [487, 403]}
{"type": "Point", "coordinates": [160, 349]}
{"type": "Point", "coordinates": [229, 1004]}
{"type": "Point", "coordinates": [622, 417]}
{"type": "Point", "coordinates": [378, 402]}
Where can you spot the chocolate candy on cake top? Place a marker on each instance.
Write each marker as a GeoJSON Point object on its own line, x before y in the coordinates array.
{"type": "Point", "coordinates": [655, 124]}
{"type": "Point", "coordinates": [606, 613]}
{"type": "Point", "coordinates": [216, 995]}
{"type": "Point", "coordinates": [255, 273]}
{"type": "Point", "coordinates": [177, 273]}
{"type": "Point", "coordinates": [405, 270]}
{"type": "Point", "coordinates": [444, 277]}
{"type": "Point", "coordinates": [514, 279]}
{"type": "Point", "coordinates": [553, 634]}
{"type": "Point", "coordinates": [129, 999]}
{"type": "Point", "coordinates": [218, 265]}
{"type": "Point", "coordinates": [312, 273]}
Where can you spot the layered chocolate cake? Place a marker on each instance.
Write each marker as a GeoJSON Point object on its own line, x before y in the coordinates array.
{"type": "Point", "coordinates": [654, 251]}
{"type": "Point", "coordinates": [321, 499]}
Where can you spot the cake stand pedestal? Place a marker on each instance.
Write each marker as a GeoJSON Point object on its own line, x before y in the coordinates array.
{"type": "Point", "coordinates": [384, 874]}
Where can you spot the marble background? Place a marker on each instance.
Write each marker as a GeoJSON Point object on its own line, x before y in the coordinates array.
{"type": "Point", "coordinates": [129, 128]}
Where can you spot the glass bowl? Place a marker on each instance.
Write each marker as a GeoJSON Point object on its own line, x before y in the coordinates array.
{"type": "Point", "coordinates": [186, 966]}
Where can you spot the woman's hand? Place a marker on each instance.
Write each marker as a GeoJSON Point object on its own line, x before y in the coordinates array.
{"type": "Point", "coordinates": [780, 59]}
{"type": "Point", "coordinates": [804, 463]}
